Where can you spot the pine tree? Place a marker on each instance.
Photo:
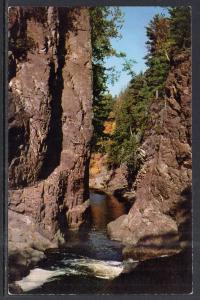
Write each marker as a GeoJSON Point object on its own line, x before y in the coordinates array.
{"type": "Point", "coordinates": [159, 51]}
{"type": "Point", "coordinates": [106, 23]}
{"type": "Point", "coordinates": [166, 37]}
{"type": "Point", "coordinates": [131, 111]}
{"type": "Point", "coordinates": [180, 26]}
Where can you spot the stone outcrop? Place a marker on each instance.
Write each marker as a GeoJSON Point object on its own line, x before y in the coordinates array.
{"type": "Point", "coordinates": [160, 217]}
{"type": "Point", "coordinates": [49, 119]}
{"type": "Point", "coordinates": [112, 181]}
{"type": "Point", "coordinates": [26, 245]}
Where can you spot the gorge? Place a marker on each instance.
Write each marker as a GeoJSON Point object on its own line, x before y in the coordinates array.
{"type": "Point", "coordinates": [52, 215]}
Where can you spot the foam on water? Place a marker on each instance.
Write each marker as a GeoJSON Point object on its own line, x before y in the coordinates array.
{"type": "Point", "coordinates": [80, 266]}
{"type": "Point", "coordinates": [98, 268]}
{"type": "Point", "coordinates": [37, 277]}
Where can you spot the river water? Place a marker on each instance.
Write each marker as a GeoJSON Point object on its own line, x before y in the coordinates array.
{"type": "Point", "coordinates": [90, 263]}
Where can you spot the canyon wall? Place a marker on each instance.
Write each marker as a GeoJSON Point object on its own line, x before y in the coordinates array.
{"type": "Point", "coordinates": [159, 221]}
{"type": "Point", "coordinates": [49, 123]}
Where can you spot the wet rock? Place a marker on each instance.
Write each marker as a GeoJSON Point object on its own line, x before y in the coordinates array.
{"type": "Point", "coordinates": [15, 289]}
{"type": "Point", "coordinates": [142, 253]}
{"type": "Point", "coordinates": [26, 245]}
{"type": "Point", "coordinates": [117, 228]}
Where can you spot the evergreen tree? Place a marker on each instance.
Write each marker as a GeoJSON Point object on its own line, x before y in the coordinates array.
{"type": "Point", "coordinates": [158, 56]}
{"type": "Point", "coordinates": [180, 26]}
{"type": "Point", "coordinates": [131, 111]}
{"type": "Point", "coordinates": [166, 37]}
{"type": "Point", "coordinates": [106, 23]}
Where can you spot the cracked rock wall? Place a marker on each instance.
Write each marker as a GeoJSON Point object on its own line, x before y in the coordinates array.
{"type": "Point", "coordinates": [49, 116]}
{"type": "Point", "coordinates": [159, 221]}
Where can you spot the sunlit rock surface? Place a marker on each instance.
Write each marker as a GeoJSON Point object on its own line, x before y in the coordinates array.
{"type": "Point", "coordinates": [160, 218]}
{"type": "Point", "coordinates": [49, 121]}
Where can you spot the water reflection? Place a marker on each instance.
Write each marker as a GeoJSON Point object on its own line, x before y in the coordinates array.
{"type": "Point", "coordinates": [163, 275]}
{"type": "Point", "coordinates": [93, 242]}
{"type": "Point", "coordinates": [104, 209]}
{"type": "Point", "coordinates": [115, 208]}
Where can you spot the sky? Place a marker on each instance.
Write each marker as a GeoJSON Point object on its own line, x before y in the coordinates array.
{"type": "Point", "coordinates": [132, 42]}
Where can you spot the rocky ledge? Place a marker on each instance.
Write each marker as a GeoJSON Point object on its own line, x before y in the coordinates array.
{"type": "Point", "coordinates": [26, 248]}
{"type": "Point", "coordinates": [159, 221]}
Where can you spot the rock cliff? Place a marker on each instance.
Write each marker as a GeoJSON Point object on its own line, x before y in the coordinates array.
{"type": "Point", "coordinates": [49, 122]}
{"type": "Point", "coordinates": [159, 221]}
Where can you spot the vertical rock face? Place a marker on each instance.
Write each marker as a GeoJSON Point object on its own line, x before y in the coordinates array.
{"type": "Point", "coordinates": [161, 214]}
{"type": "Point", "coordinates": [49, 116]}
{"type": "Point", "coordinates": [77, 113]}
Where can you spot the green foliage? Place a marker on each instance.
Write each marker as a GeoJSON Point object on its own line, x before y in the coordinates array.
{"type": "Point", "coordinates": [180, 26]}
{"type": "Point", "coordinates": [101, 111]}
{"type": "Point", "coordinates": [131, 111]}
{"type": "Point", "coordinates": [157, 74]}
{"type": "Point", "coordinates": [106, 23]}
{"type": "Point", "coordinates": [133, 105]}
{"type": "Point", "coordinates": [128, 67]}
{"type": "Point", "coordinates": [124, 152]}
{"type": "Point", "coordinates": [158, 56]}
{"type": "Point", "coordinates": [166, 36]}
{"type": "Point", "coordinates": [158, 32]}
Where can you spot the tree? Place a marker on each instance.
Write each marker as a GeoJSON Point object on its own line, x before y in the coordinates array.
{"type": "Point", "coordinates": [180, 26]}
{"type": "Point", "coordinates": [101, 112]}
{"type": "Point", "coordinates": [166, 37]}
{"type": "Point", "coordinates": [106, 23]}
{"type": "Point", "coordinates": [158, 36]}
{"type": "Point", "coordinates": [131, 115]}
{"type": "Point", "coordinates": [159, 52]}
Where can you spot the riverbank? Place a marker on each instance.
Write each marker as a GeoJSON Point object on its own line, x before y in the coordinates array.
{"type": "Point", "coordinates": [26, 247]}
{"type": "Point", "coordinates": [142, 244]}
{"type": "Point", "coordinates": [166, 275]}
{"type": "Point", "coordinates": [96, 263]}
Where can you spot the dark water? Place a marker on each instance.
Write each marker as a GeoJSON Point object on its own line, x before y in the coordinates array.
{"type": "Point", "coordinates": [93, 248]}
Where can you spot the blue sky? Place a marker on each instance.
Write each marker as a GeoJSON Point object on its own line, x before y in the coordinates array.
{"type": "Point", "coordinates": [132, 42]}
